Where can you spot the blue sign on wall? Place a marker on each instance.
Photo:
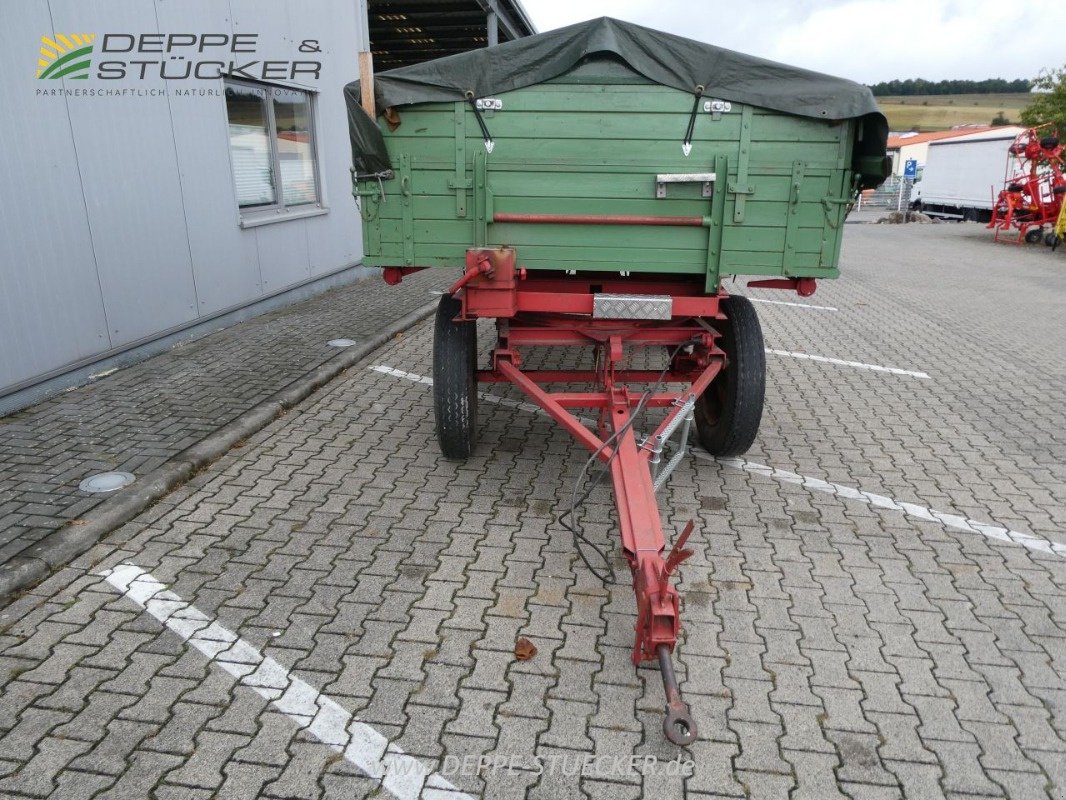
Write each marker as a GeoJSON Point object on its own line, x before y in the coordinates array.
{"type": "Point", "coordinates": [910, 168]}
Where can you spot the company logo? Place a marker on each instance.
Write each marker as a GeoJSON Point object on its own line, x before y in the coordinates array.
{"type": "Point", "coordinates": [65, 56]}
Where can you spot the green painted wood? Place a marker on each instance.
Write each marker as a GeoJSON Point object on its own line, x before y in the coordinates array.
{"type": "Point", "coordinates": [481, 212]}
{"type": "Point", "coordinates": [460, 183]}
{"type": "Point", "coordinates": [739, 186]}
{"type": "Point", "coordinates": [594, 147]}
{"type": "Point", "coordinates": [790, 241]}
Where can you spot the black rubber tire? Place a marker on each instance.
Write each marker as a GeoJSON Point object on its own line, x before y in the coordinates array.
{"type": "Point", "coordinates": [1051, 240]}
{"type": "Point", "coordinates": [454, 381]}
{"type": "Point", "coordinates": [1034, 235]}
{"type": "Point", "coordinates": [728, 413]}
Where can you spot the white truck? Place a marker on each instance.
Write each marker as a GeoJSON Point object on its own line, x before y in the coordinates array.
{"type": "Point", "coordinates": [964, 174]}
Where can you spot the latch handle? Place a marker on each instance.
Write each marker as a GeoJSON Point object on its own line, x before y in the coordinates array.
{"type": "Point", "coordinates": [706, 178]}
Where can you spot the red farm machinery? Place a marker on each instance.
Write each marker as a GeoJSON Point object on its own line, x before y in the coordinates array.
{"type": "Point", "coordinates": [1031, 201]}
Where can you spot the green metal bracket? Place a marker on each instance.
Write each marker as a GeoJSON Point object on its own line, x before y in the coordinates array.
{"type": "Point", "coordinates": [792, 223]}
{"type": "Point", "coordinates": [714, 229]}
{"type": "Point", "coordinates": [460, 183]}
{"type": "Point", "coordinates": [740, 186]}
{"type": "Point", "coordinates": [407, 210]}
{"type": "Point", "coordinates": [482, 199]}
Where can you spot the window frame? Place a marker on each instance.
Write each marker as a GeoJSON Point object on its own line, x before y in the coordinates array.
{"type": "Point", "coordinates": [251, 216]}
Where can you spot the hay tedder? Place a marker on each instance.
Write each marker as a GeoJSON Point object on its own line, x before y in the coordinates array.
{"type": "Point", "coordinates": [1032, 197]}
{"type": "Point", "coordinates": [593, 186]}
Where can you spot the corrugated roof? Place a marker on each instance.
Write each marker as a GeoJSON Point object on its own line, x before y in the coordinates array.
{"type": "Point", "coordinates": [404, 32]}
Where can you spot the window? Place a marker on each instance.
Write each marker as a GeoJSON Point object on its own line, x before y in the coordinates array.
{"type": "Point", "coordinates": [272, 150]}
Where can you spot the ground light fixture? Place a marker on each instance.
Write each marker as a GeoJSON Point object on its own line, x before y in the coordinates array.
{"type": "Point", "coordinates": [106, 482]}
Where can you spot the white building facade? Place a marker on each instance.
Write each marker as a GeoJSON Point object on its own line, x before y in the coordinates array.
{"type": "Point", "coordinates": [168, 167]}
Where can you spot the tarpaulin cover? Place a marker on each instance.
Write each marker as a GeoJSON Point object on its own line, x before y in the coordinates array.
{"type": "Point", "coordinates": [663, 58]}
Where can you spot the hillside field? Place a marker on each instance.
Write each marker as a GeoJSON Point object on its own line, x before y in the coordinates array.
{"type": "Point", "coordinates": [942, 111]}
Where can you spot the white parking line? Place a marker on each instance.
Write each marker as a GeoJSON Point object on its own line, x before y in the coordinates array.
{"type": "Point", "coordinates": [952, 521]}
{"type": "Point", "coordinates": [796, 305]}
{"type": "Point", "coordinates": [490, 398]}
{"type": "Point", "coordinates": [842, 363]}
{"type": "Point", "coordinates": [403, 776]}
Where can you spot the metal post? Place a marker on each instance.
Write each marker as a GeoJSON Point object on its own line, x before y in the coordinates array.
{"type": "Point", "coordinates": [493, 25]}
{"type": "Point", "coordinates": [899, 202]}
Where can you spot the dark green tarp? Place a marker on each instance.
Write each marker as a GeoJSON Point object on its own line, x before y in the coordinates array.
{"type": "Point", "coordinates": [661, 57]}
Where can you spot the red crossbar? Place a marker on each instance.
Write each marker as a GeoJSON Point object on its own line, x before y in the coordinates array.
{"type": "Point", "coordinates": [584, 436]}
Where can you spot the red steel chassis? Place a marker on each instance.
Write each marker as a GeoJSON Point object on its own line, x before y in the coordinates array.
{"type": "Point", "coordinates": [540, 310]}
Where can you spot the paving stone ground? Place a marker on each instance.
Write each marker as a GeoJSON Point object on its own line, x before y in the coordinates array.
{"type": "Point", "coordinates": [837, 644]}
{"type": "Point", "coordinates": [137, 418]}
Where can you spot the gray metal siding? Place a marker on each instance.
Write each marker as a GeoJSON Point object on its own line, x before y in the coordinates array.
{"type": "Point", "coordinates": [119, 219]}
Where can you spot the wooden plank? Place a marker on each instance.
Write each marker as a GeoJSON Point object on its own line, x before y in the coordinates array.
{"type": "Point", "coordinates": [366, 83]}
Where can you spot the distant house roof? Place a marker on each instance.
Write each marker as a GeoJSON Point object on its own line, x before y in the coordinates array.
{"type": "Point", "coordinates": [896, 141]}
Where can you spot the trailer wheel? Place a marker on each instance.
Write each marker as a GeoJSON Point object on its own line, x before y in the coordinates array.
{"type": "Point", "coordinates": [729, 411]}
{"type": "Point", "coordinates": [1034, 235]}
{"type": "Point", "coordinates": [454, 383]}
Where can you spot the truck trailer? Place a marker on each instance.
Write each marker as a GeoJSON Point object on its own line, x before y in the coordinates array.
{"type": "Point", "coordinates": [963, 175]}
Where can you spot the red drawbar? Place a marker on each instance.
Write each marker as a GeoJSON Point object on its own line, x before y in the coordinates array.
{"type": "Point", "coordinates": [617, 442]}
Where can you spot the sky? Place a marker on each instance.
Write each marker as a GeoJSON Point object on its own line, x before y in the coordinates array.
{"type": "Point", "coordinates": [864, 40]}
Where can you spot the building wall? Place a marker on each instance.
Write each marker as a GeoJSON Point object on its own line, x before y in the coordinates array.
{"type": "Point", "coordinates": [118, 217]}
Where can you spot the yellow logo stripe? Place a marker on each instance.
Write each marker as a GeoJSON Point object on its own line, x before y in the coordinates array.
{"type": "Point", "coordinates": [65, 41]}
{"type": "Point", "coordinates": [54, 45]}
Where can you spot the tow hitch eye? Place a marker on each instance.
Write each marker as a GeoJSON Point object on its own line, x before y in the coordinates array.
{"type": "Point", "coordinates": [678, 726]}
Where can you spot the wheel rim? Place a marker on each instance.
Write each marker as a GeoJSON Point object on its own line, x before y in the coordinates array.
{"type": "Point", "coordinates": [714, 399]}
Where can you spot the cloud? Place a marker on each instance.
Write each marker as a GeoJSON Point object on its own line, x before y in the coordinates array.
{"type": "Point", "coordinates": [865, 40]}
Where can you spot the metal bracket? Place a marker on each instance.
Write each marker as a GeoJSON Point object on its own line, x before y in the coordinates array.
{"type": "Point", "coordinates": [717, 107]}
{"type": "Point", "coordinates": [489, 104]}
{"type": "Point", "coordinates": [706, 178]}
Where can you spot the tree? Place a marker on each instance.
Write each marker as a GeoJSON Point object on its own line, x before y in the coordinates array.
{"type": "Point", "coordinates": [1049, 101]}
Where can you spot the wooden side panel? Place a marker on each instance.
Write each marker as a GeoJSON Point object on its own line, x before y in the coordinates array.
{"type": "Point", "coordinates": [596, 148]}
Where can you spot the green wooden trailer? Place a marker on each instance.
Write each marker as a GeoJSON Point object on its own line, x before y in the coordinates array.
{"type": "Point", "coordinates": [592, 186]}
{"type": "Point", "coordinates": [770, 187]}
